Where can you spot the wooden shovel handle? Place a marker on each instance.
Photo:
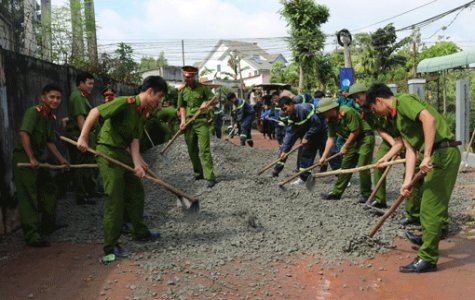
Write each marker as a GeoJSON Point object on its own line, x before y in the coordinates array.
{"type": "Point", "coordinates": [380, 182]}
{"type": "Point", "coordinates": [56, 167]}
{"type": "Point", "coordinates": [127, 167]}
{"type": "Point", "coordinates": [279, 159]}
{"type": "Point", "coordinates": [289, 179]}
{"type": "Point", "coordinates": [195, 116]}
{"type": "Point", "coordinates": [354, 170]}
{"type": "Point", "coordinates": [395, 205]}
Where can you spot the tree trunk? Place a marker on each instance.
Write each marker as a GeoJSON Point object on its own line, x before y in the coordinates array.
{"type": "Point", "coordinates": [46, 29]}
{"type": "Point", "coordinates": [91, 31]}
{"type": "Point", "coordinates": [29, 42]}
{"type": "Point", "coordinates": [301, 78]}
{"type": "Point", "coordinates": [76, 24]}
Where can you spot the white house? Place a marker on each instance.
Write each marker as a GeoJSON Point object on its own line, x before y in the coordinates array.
{"type": "Point", "coordinates": [255, 63]}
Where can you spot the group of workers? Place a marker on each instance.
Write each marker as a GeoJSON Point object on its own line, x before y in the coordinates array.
{"type": "Point", "coordinates": [407, 125]}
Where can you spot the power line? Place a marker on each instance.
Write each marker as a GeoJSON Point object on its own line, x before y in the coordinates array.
{"type": "Point", "coordinates": [393, 17]}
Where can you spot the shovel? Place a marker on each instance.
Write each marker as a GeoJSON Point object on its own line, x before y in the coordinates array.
{"type": "Point", "coordinates": [289, 179]}
{"type": "Point", "coordinates": [310, 185]}
{"type": "Point", "coordinates": [194, 207]}
{"type": "Point", "coordinates": [57, 167]}
{"type": "Point", "coordinates": [376, 188]}
{"type": "Point", "coordinates": [395, 205]}
{"type": "Point", "coordinates": [195, 116]}
{"type": "Point", "coordinates": [279, 160]}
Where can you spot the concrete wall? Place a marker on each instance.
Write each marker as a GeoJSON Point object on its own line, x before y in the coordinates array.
{"type": "Point", "coordinates": [21, 81]}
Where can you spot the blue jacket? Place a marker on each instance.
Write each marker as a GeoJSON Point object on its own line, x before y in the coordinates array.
{"type": "Point", "coordinates": [243, 110]}
{"type": "Point", "coordinates": [303, 123]}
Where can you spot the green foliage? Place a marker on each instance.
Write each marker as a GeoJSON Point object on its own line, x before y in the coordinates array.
{"type": "Point", "coordinates": [277, 73]}
{"type": "Point", "coordinates": [440, 48]}
{"type": "Point", "coordinates": [304, 18]}
{"type": "Point", "coordinates": [150, 63]}
{"type": "Point", "coordinates": [123, 67]}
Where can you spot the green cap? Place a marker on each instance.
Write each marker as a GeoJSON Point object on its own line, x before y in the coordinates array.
{"type": "Point", "coordinates": [357, 88]}
{"type": "Point", "coordinates": [326, 104]}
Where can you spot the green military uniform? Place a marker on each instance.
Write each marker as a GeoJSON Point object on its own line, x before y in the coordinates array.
{"type": "Point", "coordinates": [360, 152]}
{"type": "Point", "coordinates": [161, 125]}
{"type": "Point", "coordinates": [84, 179]}
{"type": "Point", "coordinates": [124, 121]}
{"type": "Point", "coordinates": [197, 134]}
{"type": "Point", "coordinates": [438, 184]}
{"type": "Point", "coordinates": [36, 191]}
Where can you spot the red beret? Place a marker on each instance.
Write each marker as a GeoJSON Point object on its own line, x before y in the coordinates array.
{"type": "Point", "coordinates": [189, 70]}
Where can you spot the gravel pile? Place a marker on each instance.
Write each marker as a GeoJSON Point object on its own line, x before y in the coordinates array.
{"type": "Point", "coordinates": [247, 217]}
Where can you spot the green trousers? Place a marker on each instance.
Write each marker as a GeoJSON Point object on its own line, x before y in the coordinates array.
{"type": "Point", "coordinates": [436, 191]}
{"type": "Point", "coordinates": [124, 191]}
{"type": "Point", "coordinates": [197, 137]}
{"type": "Point", "coordinates": [83, 179]}
{"type": "Point", "coordinates": [378, 172]}
{"type": "Point", "coordinates": [359, 154]}
{"type": "Point", "coordinates": [412, 203]}
{"type": "Point", "coordinates": [36, 194]}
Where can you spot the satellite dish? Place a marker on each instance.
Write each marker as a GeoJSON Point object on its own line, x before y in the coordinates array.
{"type": "Point", "coordinates": [344, 37]}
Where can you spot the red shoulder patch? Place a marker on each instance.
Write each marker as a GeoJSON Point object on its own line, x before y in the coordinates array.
{"type": "Point", "coordinates": [341, 114]}
{"type": "Point", "coordinates": [39, 108]}
{"type": "Point", "coordinates": [394, 111]}
{"type": "Point", "coordinates": [130, 100]}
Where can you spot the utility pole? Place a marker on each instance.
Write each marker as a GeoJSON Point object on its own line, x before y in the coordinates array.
{"type": "Point", "coordinates": [46, 29]}
{"type": "Point", "coordinates": [183, 51]}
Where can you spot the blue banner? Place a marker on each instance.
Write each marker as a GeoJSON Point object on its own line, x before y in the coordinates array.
{"type": "Point", "coordinates": [346, 77]}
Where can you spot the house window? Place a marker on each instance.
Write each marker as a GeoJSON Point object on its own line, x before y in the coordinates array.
{"type": "Point", "coordinates": [218, 68]}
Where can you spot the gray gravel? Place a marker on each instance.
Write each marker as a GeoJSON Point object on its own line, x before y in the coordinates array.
{"type": "Point", "coordinates": [245, 216]}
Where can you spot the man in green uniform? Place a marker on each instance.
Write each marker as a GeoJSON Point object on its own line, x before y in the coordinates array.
{"type": "Point", "coordinates": [357, 149]}
{"type": "Point", "coordinates": [192, 97]}
{"type": "Point", "coordinates": [161, 125]}
{"type": "Point", "coordinates": [425, 132]}
{"type": "Point", "coordinates": [78, 108]}
{"type": "Point", "coordinates": [391, 145]}
{"type": "Point", "coordinates": [34, 186]}
{"type": "Point", "coordinates": [119, 138]}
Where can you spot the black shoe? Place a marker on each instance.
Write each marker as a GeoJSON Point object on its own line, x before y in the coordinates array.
{"type": "Point", "coordinates": [120, 252]}
{"type": "Point", "coordinates": [362, 199]}
{"type": "Point", "coordinates": [126, 228]}
{"type": "Point", "coordinates": [41, 242]}
{"type": "Point", "coordinates": [330, 196]}
{"type": "Point", "coordinates": [414, 238]}
{"type": "Point", "coordinates": [323, 168]}
{"type": "Point", "coordinates": [274, 175]}
{"type": "Point", "coordinates": [151, 237]}
{"type": "Point", "coordinates": [444, 234]}
{"type": "Point", "coordinates": [378, 204]}
{"type": "Point", "coordinates": [418, 266]}
{"type": "Point", "coordinates": [211, 183]}
{"type": "Point", "coordinates": [199, 177]}
{"type": "Point", "coordinates": [408, 221]}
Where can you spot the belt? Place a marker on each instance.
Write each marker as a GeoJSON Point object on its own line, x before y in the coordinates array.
{"type": "Point", "coordinates": [445, 144]}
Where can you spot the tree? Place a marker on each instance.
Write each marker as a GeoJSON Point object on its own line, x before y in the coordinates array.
{"type": "Point", "coordinates": [77, 30]}
{"type": "Point", "coordinates": [324, 71]}
{"type": "Point", "coordinates": [150, 63]}
{"type": "Point", "coordinates": [304, 18]}
{"type": "Point", "coordinates": [277, 72]}
{"type": "Point", "coordinates": [123, 66]}
{"type": "Point", "coordinates": [90, 26]}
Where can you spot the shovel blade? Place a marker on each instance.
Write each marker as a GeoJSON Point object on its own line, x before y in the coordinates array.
{"type": "Point", "coordinates": [282, 188]}
{"type": "Point", "coordinates": [310, 183]}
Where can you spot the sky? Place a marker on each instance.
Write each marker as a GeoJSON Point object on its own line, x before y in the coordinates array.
{"type": "Point", "coordinates": [151, 26]}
